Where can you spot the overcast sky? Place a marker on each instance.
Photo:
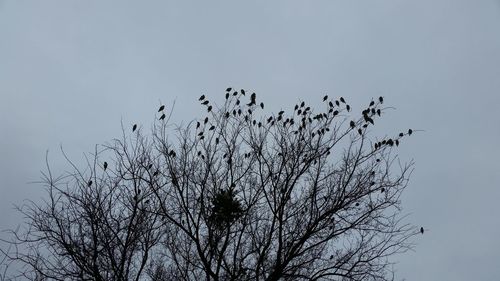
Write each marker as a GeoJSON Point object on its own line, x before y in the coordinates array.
{"type": "Point", "coordinates": [70, 71]}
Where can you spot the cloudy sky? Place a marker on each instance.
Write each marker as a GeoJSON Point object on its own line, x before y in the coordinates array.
{"type": "Point", "coordinates": [71, 71]}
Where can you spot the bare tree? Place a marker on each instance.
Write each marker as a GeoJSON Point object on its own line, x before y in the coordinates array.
{"type": "Point", "coordinates": [236, 195]}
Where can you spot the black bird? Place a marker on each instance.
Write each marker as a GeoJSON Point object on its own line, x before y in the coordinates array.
{"type": "Point", "coordinates": [89, 183]}
{"type": "Point", "coordinates": [372, 103]}
{"type": "Point", "coordinates": [206, 120]}
{"type": "Point", "coordinates": [325, 98]}
{"type": "Point", "coordinates": [330, 103]}
{"type": "Point", "coordinates": [227, 96]}
{"type": "Point", "coordinates": [229, 89]}
{"type": "Point", "coordinates": [348, 107]}
{"type": "Point", "coordinates": [397, 142]}
{"type": "Point", "coordinates": [296, 107]}
{"type": "Point", "coordinates": [209, 108]}
{"type": "Point", "coordinates": [205, 102]}
{"type": "Point", "coordinates": [134, 127]}
{"type": "Point", "coordinates": [410, 131]}
{"type": "Point", "coordinates": [381, 99]}
{"type": "Point", "coordinates": [161, 108]}
{"type": "Point", "coordinates": [235, 93]}
{"type": "Point", "coordinates": [335, 112]}
{"type": "Point", "coordinates": [227, 114]}
{"type": "Point", "coordinates": [331, 257]}
{"type": "Point", "coordinates": [360, 131]}
{"type": "Point", "coordinates": [401, 134]}
{"type": "Point", "coordinates": [201, 98]}
{"type": "Point", "coordinates": [242, 92]}
{"type": "Point", "coordinates": [281, 112]}
{"type": "Point", "coordinates": [156, 173]}
{"type": "Point", "coordinates": [378, 112]}
{"type": "Point", "coordinates": [269, 119]}
{"type": "Point", "coordinates": [211, 128]}
{"type": "Point", "coordinates": [422, 230]}
{"type": "Point", "coordinates": [342, 100]}
{"type": "Point", "coordinates": [253, 97]}
{"type": "Point", "coordinates": [337, 102]}
{"type": "Point", "coordinates": [216, 140]}
{"type": "Point", "coordinates": [162, 116]}
{"type": "Point", "coordinates": [197, 125]}
{"type": "Point", "coordinates": [302, 104]}
{"type": "Point", "coordinates": [237, 102]}
{"type": "Point", "coordinates": [262, 105]}
{"type": "Point", "coordinates": [105, 165]}
{"type": "Point", "coordinates": [352, 124]}
{"type": "Point", "coordinates": [382, 190]}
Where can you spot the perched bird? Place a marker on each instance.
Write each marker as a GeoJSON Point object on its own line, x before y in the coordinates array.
{"type": "Point", "coordinates": [89, 183]}
{"type": "Point", "coordinates": [296, 107]}
{"type": "Point", "coordinates": [360, 131]}
{"type": "Point", "coordinates": [105, 165]}
{"type": "Point", "coordinates": [381, 99]}
{"type": "Point", "coordinates": [162, 116]}
{"type": "Point", "coordinates": [337, 102]}
{"type": "Point", "coordinates": [422, 230]}
{"type": "Point", "coordinates": [378, 112]}
{"type": "Point", "coordinates": [134, 127]}
{"type": "Point", "coordinates": [325, 97]}
{"type": "Point", "coordinates": [342, 100]}
{"type": "Point", "coordinates": [161, 108]}
{"type": "Point", "coordinates": [262, 105]}
{"type": "Point", "coordinates": [330, 103]}
{"type": "Point", "coordinates": [227, 96]}
{"type": "Point", "coordinates": [242, 92]}
{"type": "Point", "coordinates": [410, 131]}
{"type": "Point", "coordinates": [211, 128]}
{"type": "Point", "coordinates": [205, 102]}
{"type": "Point", "coordinates": [237, 102]}
{"type": "Point", "coordinates": [348, 107]}
{"type": "Point", "coordinates": [227, 114]}
{"type": "Point", "coordinates": [302, 104]}
{"type": "Point", "coordinates": [197, 125]}
{"type": "Point", "coordinates": [201, 98]}
{"type": "Point", "coordinates": [229, 89]}
{"type": "Point", "coordinates": [206, 120]}
{"type": "Point", "coordinates": [352, 124]}
{"type": "Point", "coordinates": [209, 108]}
{"type": "Point", "coordinates": [372, 103]}
{"type": "Point", "coordinates": [253, 97]}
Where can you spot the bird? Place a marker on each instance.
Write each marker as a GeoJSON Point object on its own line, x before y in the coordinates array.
{"type": "Point", "coordinates": [378, 112]}
{"type": "Point", "coordinates": [197, 125]}
{"type": "Point", "coordinates": [242, 92]}
{"type": "Point", "coordinates": [229, 89]}
{"type": "Point", "coordinates": [206, 120]}
{"type": "Point", "coordinates": [337, 102]}
{"type": "Point", "coordinates": [105, 165]}
{"type": "Point", "coordinates": [89, 183]}
{"type": "Point", "coordinates": [262, 105]}
{"type": "Point", "coordinates": [237, 102]}
{"type": "Point", "coordinates": [134, 127]}
{"type": "Point", "coordinates": [422, 230]}
{"type": "Point", "coordinates": [372, 103]}
{"type": "Point", "coordinates": [342, 100]}
{"type": "Point", "coordinates": [252, 98]}
{"type": "Point", "coordinates": [227, 96]}
{"type": "Point", "coordinates": [360, 131]}
{"type": "Point", "coordinates": [330, 104]}
{"type": "Point", "coordinates": [325, 97]}
{"type": "Point", "coordinates": [302, 104]}
{"type": "Point", "coordinates": [410, 131]}
{"type": "Point", "coordinates": [211, 128]}
{"type": "Point", "coordinates": [381, 99]}
{"type": "Point", "coordinates": [352, 124]}
{"type": "Point", "coordinates": [201, 98]}
{"type": "Point", "coordinates": [209, 108]}
{"type": "Point", "coordinates": [205, 102]}
{"type": "Point", "coordinates": [348, 107]}
{"type": "Point", "coordinates": [161, 108]}
{"type": "Point", "coordinates": [162, 116]}
{"type": "Point", "coordinates": [227, 114]}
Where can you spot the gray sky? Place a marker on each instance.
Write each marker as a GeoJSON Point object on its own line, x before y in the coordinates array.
{"type": "Point", "coordinates": [71, 70]}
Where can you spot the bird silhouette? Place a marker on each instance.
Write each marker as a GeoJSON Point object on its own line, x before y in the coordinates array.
{"type": "Point", "coordinates": [134, 127]}
{"type": "Point", "coordinates": [325, 97]}
{"type": "Point", "coordinates": [262, 105]}
{"type": "Point", "coordinates": [360, 131]}
{"type": "Point", "coordinates": [227, 96]}
{"type": "Point", "coordinates": [206, 120]}
{"type": "Point", "coordinates": [209, 108]}
{"type": "Point", "coordinates": [242, 92]}
{"type": "Point", "coordinates": [381, 99]}
{"type": "Point", "coordinates": [162, 116]}
{"type": "Point", "coordinates": [372, 103]}
{"type": "Point", "coordinates": [252, 98]}
{"type": "Point", "coordinates": [422, 230]}
{"type": "Point", "coordinates": [105, 165]}
{"type": "Point", "coordinates": [211, 128]}
{"type": "Point", "coordinates": [378, 112]}
{"type": "Point", "coordinates": [227, 114]}
{"type": "Point", "coordinates": [237, 102]}
{"type": "Point", "coordinates": [201, 98]}
{"type": "Point", "coordinates": [197, 125]}
{"type": "Point", "coordinates": [302, 104]}
{"type": "Point", "coordinates": [342, 100]}
{"type": "Point", "coordinates": [89, 183]}
{"type": "Point", "coordinates": [205, 102]}
{"type": "Point", "coordinates": [161, 108]}
{"type": "Point", "coordinates": [410, 131]}
{"type": "Point", "coordinates": [330, 104]}
{"type": "Point", "coordinates": [352, 124]}
{"type": "Point", "coordinates": [348, 107]}
{"type": "Point", "coordinates": [229, 89]}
